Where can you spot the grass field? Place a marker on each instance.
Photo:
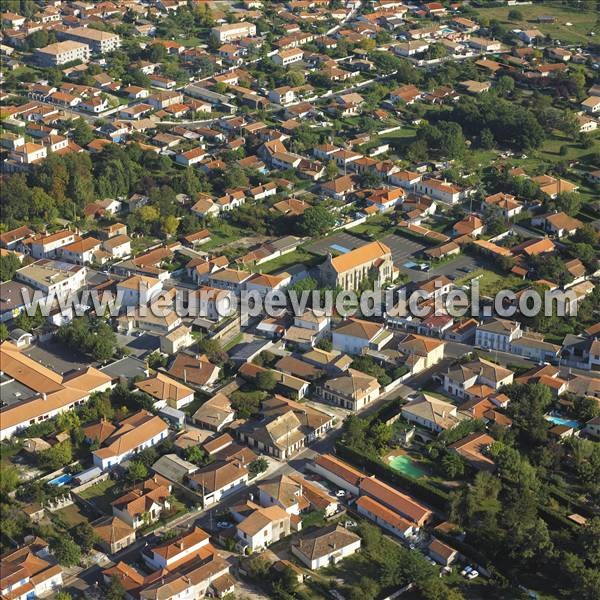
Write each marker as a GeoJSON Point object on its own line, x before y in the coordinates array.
{"type": "Point", "coordinates": [549, 152]}
{"type": "Point", "coordinates": [101, 495]}
{"type": "Point", "coordinates": [72, 515]}
{"type": "Point", "coordinates": [582, 22]}
{"type": "Point", "coordinates": [377, 226]}
{"type": "Point", "coordinates": [298, 256]}
{"type": "Point", "coordinates": [490, 283]}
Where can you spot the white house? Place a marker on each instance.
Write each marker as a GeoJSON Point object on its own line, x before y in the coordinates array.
{"type": "Point", "coordinates": [260, 527]}
{"type": "Point", "coordinates": [355, 335]}
{"type": "Point", "coordinates": [443, 191]}
{"type": "Point", "coordinates": [325, 546]}
{"type": "Point", "coordinates": [137, 432]}
{"type": "Point", "coordinates": [219, 480]}
{"type": "Point", "coordinates": [138, 290]}
{"type": "Point", "coordinates": [176, 550]}
{"type": "Point", "coordinates": [497, 334]}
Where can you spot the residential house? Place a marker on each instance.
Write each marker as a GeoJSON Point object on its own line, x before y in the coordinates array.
{"type": "Point", "coordinates": [339, 473]}
{"type": "Point", "coordinates": [29, 572]}
{"type": "Point", "coordinates": [497, 334]}
{"type": "Point", "coordinates": [165, 391]}
{"type": "Point", "coordinates": [446, 192]}
{"type": "Point", "coordinates": [113, 534]}
{"type": "Point", "coordinates": [215, 414]}
{"type": "Point", "coordinates": [384, 517]}
{"type": "Point", "coordinates": [442, 553]}
{"type": "Point", "coordinates": [144, 504]}
{"type": "Point", "coordinates": [285, 427]}
{"type": "Point", "coordinates": [421, 352]}
{"type": "Point", "coordinates": [196, 370]}
{"type": "Point", "coordinates": [137, 432]}
{"type": "Point", "coordinates": [42, 393]}
{"type": "Point", "coordinates": [353, 390]}
{"type": "Point", "coordinates": [353, 336]}
{"type": "Point", "coordinates": [431, 413]}
{"type": "Point", "coordinates": [218, 480]}
{"type": "Point", "coordinates": [259, 527]}
{"type": "Point", "coordinates": [326, 546]}
{"type": "Point", "coordinates": [400, 503]}
{"type": "Point", "coordinates": [478, 378]}
{"type": "Point", "coordinates": [474, 449]}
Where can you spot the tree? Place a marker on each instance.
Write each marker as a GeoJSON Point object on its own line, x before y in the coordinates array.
{"type": "Point", "coordinates": [195, 455]}
{"type": "Point", "coordinates": [57, 456]}
{"type": "Point", "coordinates": [9, 263]}
{"type": "Point", "coordinates": [66, 551]}
{"type": "Point", "coordinates": [137, 471]}
{"type": "Point", "coordinates": [82, 133]}
{"type": "Point", "coordinates": [93, 337]}
{"type": "Point", "coordinates": [85, 536]}
{"type": "Point", "coordinates": [62, 596]}
{"type": "Point", "coordinates": [366, 589]}
{"type": "Point", "coordinates": [453, 465]}
{"type": "Point", "coordinates": [331, 170]}
{"type": "Point", "coordinates": [316, 221]}
{"type": "Point", "coordinates": [213, 350]}
{"type": "Point", "coordinates": [265, 381]}
{"type": "Point", "coordinates": [169, 226]}
{"type": "Point", "coordinates": [505, 85]}
{"type": "Point", "coordinates": [258, 465]}
{"type": "Point", "coordinates": [569, 202]}
{"type": "Point", "coordinates": [418, 151]}
{"type": "Point", "coordinates": [515, 15]}
{"type": "Point", "coordinates": [4, 333]}
{"type": "Point", "coordinates": [486, 139]}
{"type": "Point", "coordinates": [9, 480]}
{"type": "Point", "coordinates": [115, 590]}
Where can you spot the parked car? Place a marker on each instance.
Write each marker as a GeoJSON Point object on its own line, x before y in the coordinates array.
{"type": "Point", "coordinates": [466, 570]}
{"type": "Point", "coordinates": [472, 574]}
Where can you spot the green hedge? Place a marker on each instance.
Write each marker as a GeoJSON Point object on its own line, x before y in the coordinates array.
{"type": "Point", "coordinates": [421, 490]}
{"type": "Point", "coordinates": [554, 519]}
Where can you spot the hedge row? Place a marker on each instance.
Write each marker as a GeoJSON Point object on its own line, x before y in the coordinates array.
{"type": "Point", "coordinates": [555, 519]}
{"type": "Point", "coordinates": [421, 490]}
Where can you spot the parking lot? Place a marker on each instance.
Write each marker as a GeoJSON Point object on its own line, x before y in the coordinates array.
{"type": "Point", "coordinates": [56, 356]}
{"type": "Point", "coordinates": [334, 243]}
{"type": "Point", "coordinates": [457, 268]}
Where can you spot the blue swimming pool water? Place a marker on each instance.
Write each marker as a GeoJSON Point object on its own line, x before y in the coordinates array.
{"type": "Point", "coordinates": [561, 421]}
{"type": "Point", "coordinates": [339, 248]}
{"type": "Point", "coordinates": [61, 480]}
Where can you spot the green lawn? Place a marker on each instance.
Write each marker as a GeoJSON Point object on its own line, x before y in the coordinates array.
{"type": "Point", "coordinates": [582, 21]}
{"type": "Point", "coordinates": [298, 256]}
{"type": "Point", "coordinates": [102, 494]}
{"type": "Point", "coordinates": [490, 283]}
{"type": "Point", "coordinates": [549, 152]}
{"type": "Point", "coordinates": [71, 515]}
{"type": "Point", "coordinates": [376, 226]}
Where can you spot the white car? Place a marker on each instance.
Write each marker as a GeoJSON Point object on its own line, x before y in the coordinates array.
{"type": "Point", "coordinates": [340, 493]}
{"type": "Point", "coordinates": [223, 524]}
{"type": "Point", "coordinates": [466, 570]}
{"type": "Point", "coordinates": [473, 574]}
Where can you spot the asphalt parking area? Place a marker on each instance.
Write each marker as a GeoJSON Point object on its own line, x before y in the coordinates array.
{"type": "Point", "coordinates": [338, 243]}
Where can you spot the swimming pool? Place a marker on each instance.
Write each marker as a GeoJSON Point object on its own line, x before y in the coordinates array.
{"type": "Point", "coordinates": [339, 248]}
{"type": "Point", "coordinates": [561, 421]}
{"type": "Point", "coordinates": [406, 466]}
{"type": "Point", "coordinates": [61, 480]}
